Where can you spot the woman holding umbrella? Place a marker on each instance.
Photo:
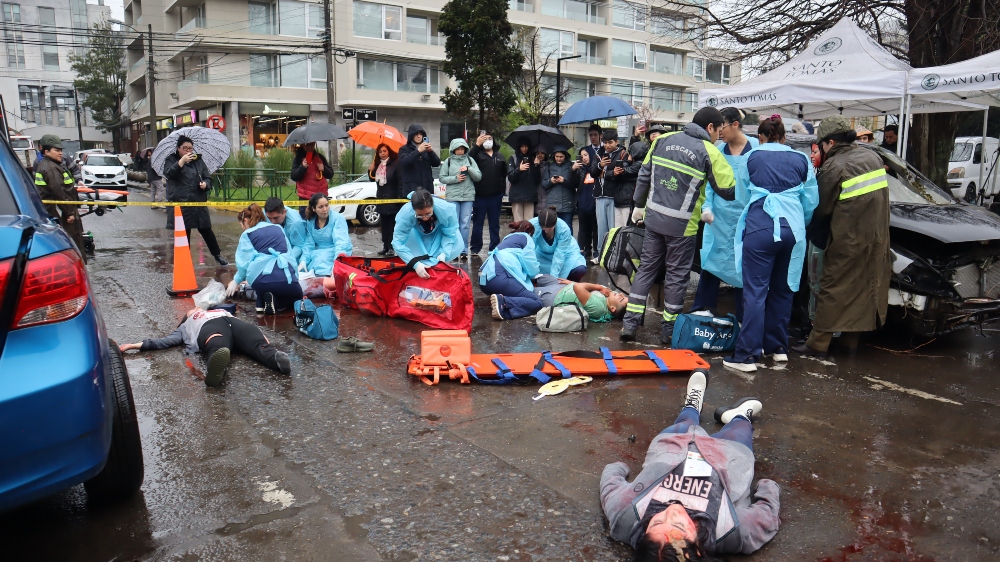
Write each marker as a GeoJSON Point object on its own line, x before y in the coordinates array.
{"type": "Point", "coordinates": [311, 172]}
{"type": "Point", "coordinates": [188, 180]}
{"type": "Point", "coordinates": [384, 171]}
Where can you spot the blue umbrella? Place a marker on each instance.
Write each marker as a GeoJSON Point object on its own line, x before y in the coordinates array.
{"type": "Point", "coordinates": [595, 108]}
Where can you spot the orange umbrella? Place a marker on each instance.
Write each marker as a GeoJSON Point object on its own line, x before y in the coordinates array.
{"type": "Point", "coordinates": [372, 134]}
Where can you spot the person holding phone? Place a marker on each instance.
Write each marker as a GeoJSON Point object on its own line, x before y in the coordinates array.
{"type": "Point", "coordinates": [459, 172]}
{"type": "Point", "coordinates": [416, 160]}
{"type": "Point", "coordinates": [188, 180]}
{"type": "Point", "coordinates": [586, 206]}
{"type": "Point", "coordinates": [311, 173]}
{"type": "Point", "coordinates": [489, 191]}
{"type": "Point", "coordinates": [609, 178]}
{"type": "Point", "coordinates": [560, 179]}
{"type": "Point", "coordinates": [525, 175]}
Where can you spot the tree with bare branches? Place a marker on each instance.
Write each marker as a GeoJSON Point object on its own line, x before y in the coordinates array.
{"type": "Point", "coordinates": [535, 90]}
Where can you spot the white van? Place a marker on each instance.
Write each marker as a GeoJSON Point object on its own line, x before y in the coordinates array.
{"type": "Point", "coordinates": [964, 164]}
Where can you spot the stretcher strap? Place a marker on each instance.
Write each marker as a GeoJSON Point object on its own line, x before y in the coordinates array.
{"type": "Point", "coordinates": [547, 356]}
{"type": "Point", "coordinates": [658, 362]}
{"type": "Point", "coordinates": [609, 361]}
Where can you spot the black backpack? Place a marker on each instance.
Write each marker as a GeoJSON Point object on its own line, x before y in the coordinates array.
{"type": "Point", "coordinates": [620, 251]}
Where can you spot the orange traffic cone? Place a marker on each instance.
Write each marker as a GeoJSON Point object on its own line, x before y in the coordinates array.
{"type": "Point", "coordinates": [184, 282]}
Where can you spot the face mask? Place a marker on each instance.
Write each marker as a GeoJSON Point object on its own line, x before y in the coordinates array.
{"type": "Point", "coordinates": [488, 145]}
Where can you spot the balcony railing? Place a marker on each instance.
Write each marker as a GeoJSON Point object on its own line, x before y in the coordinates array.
{"type": "Point", "coordinates": [219, 26]}
{"type": "Point", "coordinates": [141, 63]}
{"type": "Point", "coordinates": [435, 40]}
{"type": "Point", "coordinates": [588, 59]}
{"type": "Point", "coordinates": [571, 15]}
{"type": "Point", "coordinates": [521, 6]}
{"type": "Point", "coordinates": [195, 23]}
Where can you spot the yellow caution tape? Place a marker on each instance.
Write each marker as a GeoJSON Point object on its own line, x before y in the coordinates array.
{"type": "Point", "coordinates": [296, 203]}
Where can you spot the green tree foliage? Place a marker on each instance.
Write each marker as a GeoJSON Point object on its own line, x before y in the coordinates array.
{"type": "Point", "coordinates": [102, 74]}
{"type": "Point", "coordinates": [481, 57]}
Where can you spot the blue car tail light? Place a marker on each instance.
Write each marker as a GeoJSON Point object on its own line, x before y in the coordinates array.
{"type": "Point", "coordinates": [55, 288]}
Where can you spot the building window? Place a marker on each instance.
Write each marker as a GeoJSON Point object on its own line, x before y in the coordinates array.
{"type": "Point", "coordinates": [666, 25]}
{"type": "Point", "coordinates": [631, 92]}
{"type": "Point", "coordinates": [576, 89]}
{"type": "Point", "coordinates": [287, 71]}
{"type": "Point", "coordinates": [378, 21]}
{"type": "Point", "coordinates": [50, 44]}
{"type": "Point", "coordinates": [30, 102]}
{"type": "Point", "coordinates": [708, 71]}
{"type": "Point", "coordinates": [572, 10]}
{"type": "Point", "coordinates": [554, 43]}
{"type": "Point", "coordinates": [419, 30]}
{"type": "Point", "coordinates": [667, 62]}
{"type": "Point", "coordinates": [317, 73]}
{"type": "Point", "coordinates": [520, 6]}
{"type": "Point", "coordinates": [628, 15]}
{"type": "Point", "coordinates": [665, 99]}
{"type": "Point", "coordinates": [397, 76]}
{"type": "Point", "coordinates": [263, 71]}
{"type": "Point", "coordinates": [627, 54]}
{"type": "Point", "coordinates": [12, 35]}
{"type": "Point", "coordinates": [263, 18]}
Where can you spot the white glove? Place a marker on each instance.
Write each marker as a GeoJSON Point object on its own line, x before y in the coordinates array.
{"type": "Point", "coordinates": [421, 270]}
{"type": "Point", "coordinates": [443, 258]}
{"type": "Point", "coordinates": [638, 214]}
{"type": "Point", "coordinates": [707, 217]}
{"type": "Point", "coordinates": [231, 288]}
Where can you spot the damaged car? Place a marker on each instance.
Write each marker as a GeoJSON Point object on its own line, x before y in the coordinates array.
{"type": "Point", "coordinates": [946, 253]}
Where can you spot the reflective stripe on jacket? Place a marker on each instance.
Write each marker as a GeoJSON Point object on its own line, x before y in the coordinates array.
{"type": "Point", "coordinates": [865, 183]}
{"type": "Point", "coordinates": [671, 183]}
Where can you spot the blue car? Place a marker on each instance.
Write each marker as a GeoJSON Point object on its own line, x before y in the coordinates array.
{"type": "Point", "coordinates": [66, 410]}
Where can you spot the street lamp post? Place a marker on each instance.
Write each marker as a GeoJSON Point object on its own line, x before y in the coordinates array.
{"type": "Point", "coordinates": [559, 81]}
{"type": "Point", "coordinates": [150, 80]}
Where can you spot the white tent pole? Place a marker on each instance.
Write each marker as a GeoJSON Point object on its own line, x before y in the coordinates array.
{"type": "Point", "coordinates": [982, 150]}
{"type": "Point", "coordinates": [906, 137]}
{"type": "Point", "coordinates": [899, 123]}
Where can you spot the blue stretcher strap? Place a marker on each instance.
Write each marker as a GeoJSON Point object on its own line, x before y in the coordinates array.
{"type": "Point", "coordinates": [547, 355]}
{"type": "Point", "coordinates": [539, 376]}
{"type": "Point", "coordinates": [609, 361]}
{"type": "Point", "coordinates": [658, 362]}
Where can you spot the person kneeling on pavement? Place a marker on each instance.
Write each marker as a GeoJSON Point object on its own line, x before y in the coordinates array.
{"type": "Point", "coordinates": [599, 302]}
{"type": "Point", "coordinates": [427, 226]}
{"type": "Point", "coordinates": [265, 262]}
{"type": "Point", "coordinates": [216, 333]}
{"type": "Point", "coordinates": [507, 273]}
{"type": "Point", "coordinates": [694, 497]}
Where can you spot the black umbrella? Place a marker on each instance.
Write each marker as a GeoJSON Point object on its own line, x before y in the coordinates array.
{"type": "Point", "coordinates": [538, 135]}
{"type": "Point", "coordinates": [314, 132]}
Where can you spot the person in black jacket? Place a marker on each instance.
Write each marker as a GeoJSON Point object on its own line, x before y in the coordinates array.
{"type": "Point", "coordinates": [623, 197]}
{"type": "Point", "coordinates": [525, 176]}
{"type": "Point", "coordinates": [586, 206]}
{"type": "Point", "coordinates": [384, 171]}
{"type": "Point", "coordinates": [188, 180]}
{"type": "Point", "coordinates": [609, 176]}
{"type": "Point", "coordinates": [416, 158]}
{"type": "Point", "coordinates": [156, 190]}
{"type": "Point", "coordinates": [489, 191]}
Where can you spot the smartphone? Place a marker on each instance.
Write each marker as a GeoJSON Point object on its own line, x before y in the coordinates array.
{"type": "Point", "coordinates": [482, 132]}
{"type": "Point", "coordinates": [524, 159]}
{"type": "Point", "coordinates": [194, 156]}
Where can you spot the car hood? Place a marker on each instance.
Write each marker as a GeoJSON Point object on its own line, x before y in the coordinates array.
{"type": "Point", "coordinates": [947, 223]}
{"type": "Point", "coordinates": [104, 169]}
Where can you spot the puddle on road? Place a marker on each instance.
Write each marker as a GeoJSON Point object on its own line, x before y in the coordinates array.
{"type": "Point", "coordinates": [353, 525]}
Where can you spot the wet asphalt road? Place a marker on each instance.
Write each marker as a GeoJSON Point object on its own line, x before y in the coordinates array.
{"type": "Point", "coordinates": [881, 456]}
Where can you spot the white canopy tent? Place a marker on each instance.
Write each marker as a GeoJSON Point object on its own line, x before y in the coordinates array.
{"type": "Point", "coordinates": [843, 72]}
{"type": "Point", "coordinates": [973, 83]}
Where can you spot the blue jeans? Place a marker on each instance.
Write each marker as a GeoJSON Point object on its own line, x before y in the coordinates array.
{"type": "Point", "coordinates": [739, 429]}
{"type": "Point", "coordinates": [577, 273]}
{"type": "Point", "coordinates": [605, 219]}
{"type": "Point", "coordinates": [707, 296]}
{"type": "Point", "coordinates": [482, 207]}
{"type": "Point", "coordinates": [515, 300]}
{"type": "Point", "coordinates": [767, 299]}
{"type": "Point", "coordinates": [568, 219]}
{"type": "Point", "coordinates": [464, 210]}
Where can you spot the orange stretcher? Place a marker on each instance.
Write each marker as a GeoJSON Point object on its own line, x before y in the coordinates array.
{"type": "Point", "coordinates": [528, 368]}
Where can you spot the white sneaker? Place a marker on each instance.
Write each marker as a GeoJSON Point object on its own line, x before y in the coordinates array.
{"type": "Point", "coordinates": [745, 367]}
{"type": "Point", "coordinates": [749, 408]}
{"type": "Point", "coordinates": [495, 307]}
{"type": "Point", "coordinates": [695, 396]}
{"type": "Point", "coordinates": [780, 357]}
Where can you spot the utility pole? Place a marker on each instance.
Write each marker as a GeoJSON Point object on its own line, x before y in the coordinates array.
{"type": "Point", "coordinates": [559, 82]}
{"type": "Point", "coordinates": [151, 90]}
{"type": "Point", "coordinates": [331, 93]}
{"type": "Point", "coordinates": [79, 118]}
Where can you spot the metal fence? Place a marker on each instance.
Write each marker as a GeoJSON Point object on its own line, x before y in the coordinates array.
{"type": "Point", "coordinates": [252, 184]}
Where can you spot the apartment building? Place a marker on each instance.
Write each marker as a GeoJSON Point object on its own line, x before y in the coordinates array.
{"type": "Point", "coordinates": [257, 64]}
{"type": "Point", "coordinates": [36, 77]}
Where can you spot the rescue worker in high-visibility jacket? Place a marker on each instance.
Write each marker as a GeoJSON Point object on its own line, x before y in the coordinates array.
{"type": "Point", "coordinates": [668, 198]}
{"type": "Point", "coordinates": [55, 183]}
{"type": "Point", "coordinates": [854, 199]}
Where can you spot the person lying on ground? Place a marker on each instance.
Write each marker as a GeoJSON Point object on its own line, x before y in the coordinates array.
{"type": "Point", "coordinates": [694, 497]}
{"type": "Point", "coordinates": [600, 303]}
{"type": "Point", "coordinates": [507, 273]}
{"type": "Point", "coordinates": [216, 333]}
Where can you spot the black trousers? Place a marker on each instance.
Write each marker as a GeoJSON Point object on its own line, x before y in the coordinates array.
{"type": "Point", "coordinates": [209, 235]}
{"type": "Point", "coordinates": [240, 336]}
{"type": "Point", "coordinates": [387, 226]}
{"type": "Point", "coordinates": [588, 234]}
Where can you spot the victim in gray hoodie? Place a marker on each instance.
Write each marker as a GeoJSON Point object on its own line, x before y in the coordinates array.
{"type": "Point", "coordinates": [456, 190]}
